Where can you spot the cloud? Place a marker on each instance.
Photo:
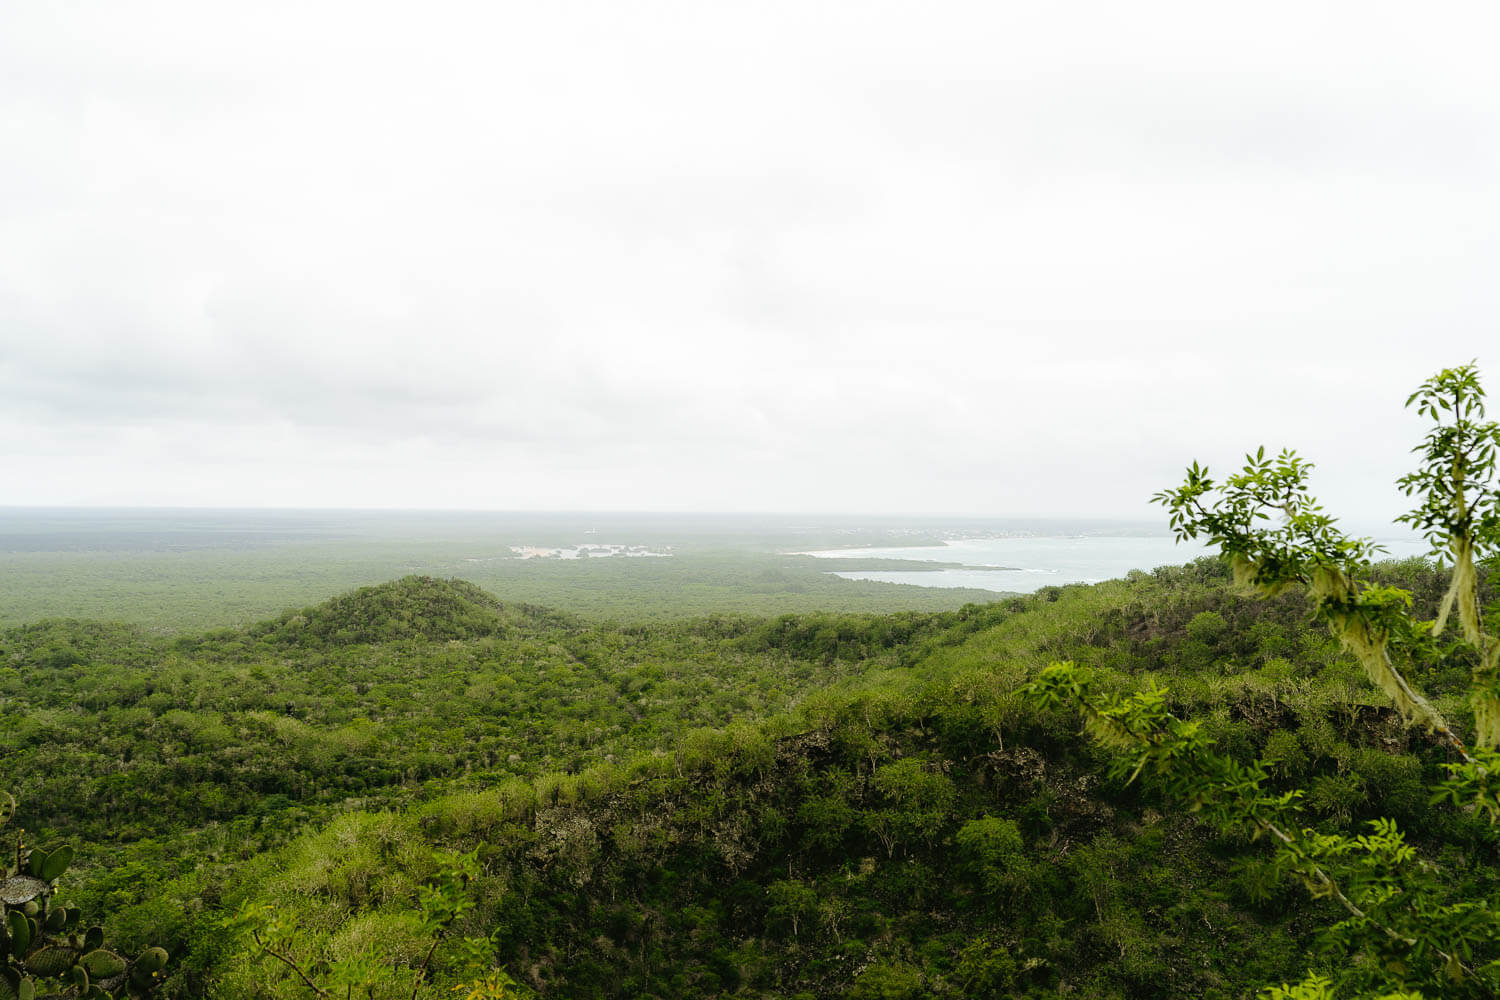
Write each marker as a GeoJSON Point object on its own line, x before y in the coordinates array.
{"type": "Point", "coordinates": [955, 257]}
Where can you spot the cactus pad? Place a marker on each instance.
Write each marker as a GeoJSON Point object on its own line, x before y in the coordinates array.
{"type": "Point", "coordinates": [102, 964]}
{"type": "Point", "coordinates": [51, 961]}
{"type": "Point", "coordinates": [21, 889]}
{"type": "Point", "coordinates": [56, 863]}
{"type": "Point", "coordinates": [20, 932]}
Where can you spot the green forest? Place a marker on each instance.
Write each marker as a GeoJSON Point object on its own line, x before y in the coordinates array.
{"type": "Point", "coordinates": [1267, 773]}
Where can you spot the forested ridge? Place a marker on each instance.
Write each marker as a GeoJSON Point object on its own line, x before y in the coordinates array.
{"type": "Point", "coordinates": [815, 805]}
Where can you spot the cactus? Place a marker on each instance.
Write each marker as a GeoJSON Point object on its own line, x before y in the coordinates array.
{"type": "Point", "coordinates": [39, 941]}
{"type": "Point", "coordinates": [51, 961]}
{"type": "Point", "coordinates": [102, 964]}
{"type": "Point", "coordinates": [18, 890]}
{"type": "Point", "coordinates": [19, 928]}
{"type": "Point", "coordinates": [53, 865]}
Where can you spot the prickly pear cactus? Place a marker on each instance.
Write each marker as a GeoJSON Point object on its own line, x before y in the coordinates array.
{"type": "Point", "coordinates": [43, 951]}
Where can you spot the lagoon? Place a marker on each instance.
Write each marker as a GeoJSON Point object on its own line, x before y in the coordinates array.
{"type": "Point", "coordinates": [1033, 562]}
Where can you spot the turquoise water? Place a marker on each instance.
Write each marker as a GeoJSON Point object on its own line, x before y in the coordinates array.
{"type": "Point", "coordinates": [1036, 562]}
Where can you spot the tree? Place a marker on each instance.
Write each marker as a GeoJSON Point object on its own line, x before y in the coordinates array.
{"type": "Point", "coordinates": [1404, 929]}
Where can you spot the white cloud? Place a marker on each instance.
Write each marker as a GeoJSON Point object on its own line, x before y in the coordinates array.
{"type": "Point", "coordinates": [995, 259]}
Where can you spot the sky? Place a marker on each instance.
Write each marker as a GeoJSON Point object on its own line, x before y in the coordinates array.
{"type": "Point", "coordinates": [990, 258]}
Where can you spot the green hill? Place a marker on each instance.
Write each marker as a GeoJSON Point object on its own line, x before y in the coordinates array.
{"type": "Point", "coordinates": [413, 607]}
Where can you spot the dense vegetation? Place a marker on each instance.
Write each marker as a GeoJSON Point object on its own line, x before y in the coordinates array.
{"type": "Point", "coordinates": [811, 805]}
{"type": "Point", "coordinates": [179, 585]}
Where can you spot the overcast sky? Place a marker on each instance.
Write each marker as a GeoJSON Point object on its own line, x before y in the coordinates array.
{"type": "Point", "coordinates": [991, 258]}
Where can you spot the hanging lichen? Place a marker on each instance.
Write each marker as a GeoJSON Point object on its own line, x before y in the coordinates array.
{"type": "Point", "coordinates": [1371, 648]}
{"type": "Point", "coordinates": [1463, 592]}
{"type": "Point", "coordinates": [1486, 710]}
{"type": "Point", "coordinates": [1334, 590]}
{"type": "Point", "coordinates": [1463, 595]}
{"type": "Point", "coordinates": [1243, 569]}
{"type": "Point", "coordinates": [1330, 584]}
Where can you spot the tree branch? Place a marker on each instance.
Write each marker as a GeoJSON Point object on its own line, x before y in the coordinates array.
{"type": "Point", "coordinates": [290, 964]}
